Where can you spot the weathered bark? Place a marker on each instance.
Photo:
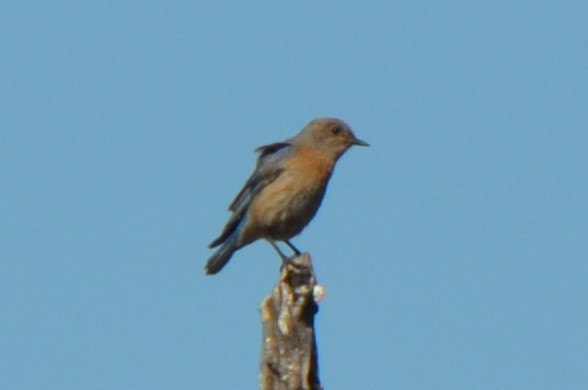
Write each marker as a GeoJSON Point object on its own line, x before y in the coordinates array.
{"type": "Point", "coordinates": [289, 354]}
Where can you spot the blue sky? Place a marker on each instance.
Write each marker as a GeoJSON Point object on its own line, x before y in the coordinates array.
{"type": "Point", "coordinates": [453, 251]}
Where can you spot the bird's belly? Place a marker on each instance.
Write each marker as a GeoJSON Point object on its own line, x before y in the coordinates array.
{"type": "Point", "coordinates": [282, 210]}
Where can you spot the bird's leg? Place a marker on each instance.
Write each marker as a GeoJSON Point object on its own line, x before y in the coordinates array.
{"type": "Point", "coordinates": [284, 258]}
{"type": "Point", "coordinates": [296, 251]}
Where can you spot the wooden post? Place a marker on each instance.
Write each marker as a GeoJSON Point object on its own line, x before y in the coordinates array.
{"type": "Point", "coordinates": [289, 355]}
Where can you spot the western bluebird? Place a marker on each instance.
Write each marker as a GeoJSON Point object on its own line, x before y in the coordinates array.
{"type": "Point", "coordinates": [285, 190]}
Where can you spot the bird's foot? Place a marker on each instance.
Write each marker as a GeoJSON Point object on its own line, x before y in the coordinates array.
{"type": "Point", "coordinates": [294, 249]}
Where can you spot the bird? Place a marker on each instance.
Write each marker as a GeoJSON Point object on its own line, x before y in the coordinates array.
{"type": "Point", "coordinates": [285, 190]}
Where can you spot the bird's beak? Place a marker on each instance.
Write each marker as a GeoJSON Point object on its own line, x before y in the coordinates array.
{"type": "Point", "coordinates": [359, 142]}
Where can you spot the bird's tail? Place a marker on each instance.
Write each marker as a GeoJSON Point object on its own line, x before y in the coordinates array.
{"type": "Point", "coordinates": [221, 257]}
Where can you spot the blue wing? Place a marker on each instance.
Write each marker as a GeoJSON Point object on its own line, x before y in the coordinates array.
{"type": "Point", "coordinates": [268, 168]}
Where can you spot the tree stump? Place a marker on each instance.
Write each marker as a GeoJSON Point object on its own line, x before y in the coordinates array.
{"type": "Point", "coordinates": [289, 353]}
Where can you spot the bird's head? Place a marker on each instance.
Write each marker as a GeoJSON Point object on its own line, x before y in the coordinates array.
{"type": "Point", "coordinates": [330, 135]}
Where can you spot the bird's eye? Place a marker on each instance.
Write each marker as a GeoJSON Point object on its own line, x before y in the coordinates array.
{"type": "Point", "coordinates": [336, 130]}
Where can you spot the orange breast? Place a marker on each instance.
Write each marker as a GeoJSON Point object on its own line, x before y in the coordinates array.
{"type": "Point", "coordinates": [286, 206]}
{"type": "Point", "coordinates": [311, 165]}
